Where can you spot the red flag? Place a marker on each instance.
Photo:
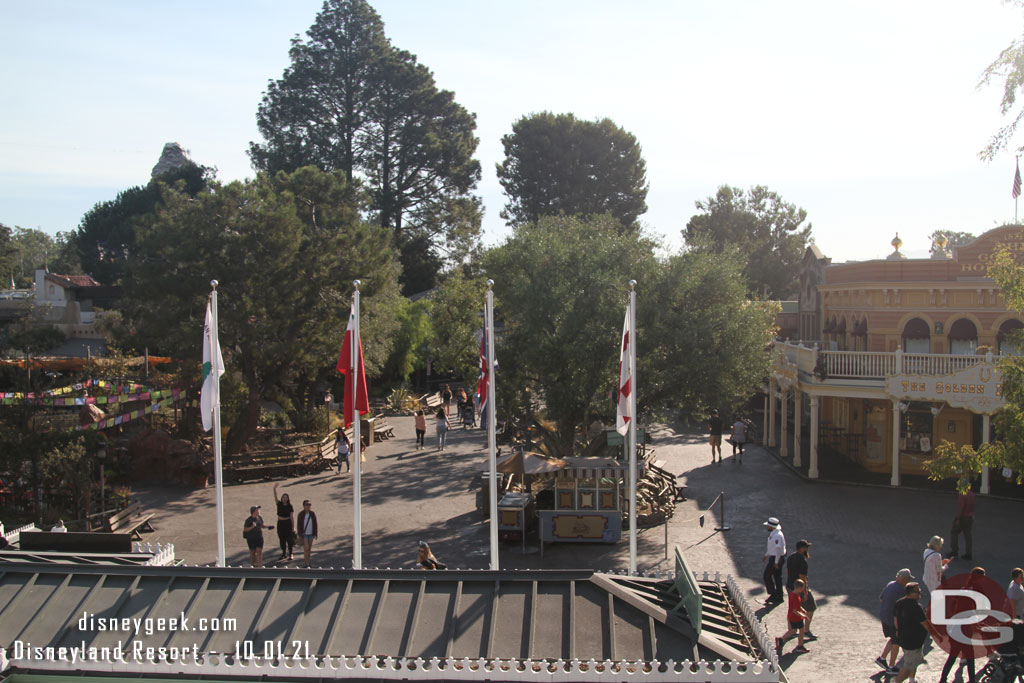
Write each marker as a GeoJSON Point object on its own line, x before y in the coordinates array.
{"type": "Point", "coordinates": [345, 368]}
{"type": "Point", "coordinates": [623, 414]}
{"type": "Point", "coordinates": [484, 377]}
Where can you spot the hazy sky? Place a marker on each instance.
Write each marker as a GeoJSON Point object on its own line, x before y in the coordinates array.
{"type": "Point", "coordinates": [866, 114]}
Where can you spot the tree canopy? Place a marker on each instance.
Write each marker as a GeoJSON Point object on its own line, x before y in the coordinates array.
{"type": "Point", "coordinates": [561, 288]}
{"type": "Point", "coordinates": [557, 164]}
{"type": "Point", "coordinates": [285, 250]}
{"type": "Point", "coordinates": [352, 102]}
{"type": "Point", "coordinates": [105, 239]}
{"type": "Point", "coordinates": [768, 232]}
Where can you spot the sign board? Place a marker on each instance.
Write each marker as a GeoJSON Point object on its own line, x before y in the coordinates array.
{"type": "Point", "coordinates": [978, 388]}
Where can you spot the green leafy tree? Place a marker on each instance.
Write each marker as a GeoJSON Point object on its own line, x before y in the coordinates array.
{"type": "Point", "coordinates": [350, 101]}
{"type": "Point", "coordinates": [411, 344]}
{"type": "Point", "coordinates": [8, 256]}
{"type": "Point", "coordinates": [456, 313]}
{"type": "Point", "coordinates": [705, 344]}
{"type": "Point", "coordinates": [557, 164]}
{"type": "Point", "coordinates": [105, 239]}
{"type": "Point", "coordinates": [768, 232]}
{"type": "Point", "coordinates": [284, 250]}
{"type": "Point", "coordinates": [561, 289]}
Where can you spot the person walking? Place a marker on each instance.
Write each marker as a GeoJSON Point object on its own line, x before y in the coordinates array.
{"type": "Point", "coordinates": [421, 429]}
{"type": "Point", "coordinates": [738, 438]}
{"type": "Point", "coordinates": [344, 448]}
{"type": "Point", "coordinates": [796, 570]}
{"type": "Point", "coordinates": [308, 530]}
{"type": "Point", "coordinates": [911, 630]}
{"type": "Point", "coordinates": [446, 398]}
{"type": "Point", "coordinates": [963, 522]}
{"type": "Point", "coordinates": [426, 558]}
{"type": "Point", "coordinates": [715, 435]}
{"type": "Point", "coordinates": [252, 531]}
{"type": "Point", "coordinates": [1015, 593]}
{"type": "Point", "coordinates": [285, 524]}
{"type": "Point", "coordinates": [443, 425]}
{"type": "Point", "coordinates": [774, 557]}
{"type": "Point", "coordinates": [796, 616]}
{"type": "Point", "coordinates": [934, 564]}
{"type": "Point", "coordinates": [890, 595]}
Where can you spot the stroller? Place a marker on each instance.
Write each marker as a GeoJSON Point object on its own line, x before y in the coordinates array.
{"type": "Point", "coordinates": [468, 415]}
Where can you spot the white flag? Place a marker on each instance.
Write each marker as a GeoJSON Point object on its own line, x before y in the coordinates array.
{"type": "Point", "coordinates": [623, 413]}
{"type": "Point", "coordinates": [209, 394]}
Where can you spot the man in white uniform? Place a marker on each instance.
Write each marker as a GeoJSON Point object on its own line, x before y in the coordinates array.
{"type": "Point", "coordinates": [774, 558]}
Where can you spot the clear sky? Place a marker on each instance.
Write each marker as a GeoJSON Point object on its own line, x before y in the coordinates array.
{"type": "Point", "coordinates": [864, 113]}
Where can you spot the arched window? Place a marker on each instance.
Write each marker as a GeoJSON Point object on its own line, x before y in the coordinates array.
{"type": "Point", "coordinates": [1007, 328]}
{"type": "Point", "coordinates": [963, 338]}
{"type": "Point", "coordinates": [916, 337]}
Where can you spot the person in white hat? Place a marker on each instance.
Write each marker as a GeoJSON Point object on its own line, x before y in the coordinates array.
{"type": "Point", "coordinates": [774, 558]}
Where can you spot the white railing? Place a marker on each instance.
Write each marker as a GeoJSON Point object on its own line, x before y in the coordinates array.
{"type": "Point", "coordinates": [875, 365]}
{"type": "Point", "coordinates": [419, 669]}
{"type": "Point", "coordinates": [859, 364]}
{"type": "Point", "coordinates": [163, 554]}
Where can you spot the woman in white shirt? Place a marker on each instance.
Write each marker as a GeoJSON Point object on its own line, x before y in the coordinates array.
{"type": "Point", "coordinates": [934, 564]}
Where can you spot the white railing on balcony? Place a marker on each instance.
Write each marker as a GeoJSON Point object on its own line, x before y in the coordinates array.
{"type": "Point", "coordinates": [874, 365]}
{"type": "Point", "coordinates": [859, 364]}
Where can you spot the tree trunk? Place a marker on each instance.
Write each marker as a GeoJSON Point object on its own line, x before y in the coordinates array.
{"type": "Point", "coordinates": [245, 426]}
{"type": "Point", "coordinates": [567, 432]}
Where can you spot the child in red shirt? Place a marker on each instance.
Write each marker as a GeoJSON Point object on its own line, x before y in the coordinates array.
{"type": "Point", "coordinates": [795, 616]}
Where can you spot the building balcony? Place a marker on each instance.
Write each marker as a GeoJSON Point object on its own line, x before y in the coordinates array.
{"type": "Point", "coordinates": [804, 362]}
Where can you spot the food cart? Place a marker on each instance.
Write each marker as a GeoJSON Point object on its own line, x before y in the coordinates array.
{"type": "Point", "coordinates": [587, 501]}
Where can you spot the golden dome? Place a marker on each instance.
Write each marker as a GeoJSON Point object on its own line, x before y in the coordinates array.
{"type": "Point", "coordinates": [896, 242]}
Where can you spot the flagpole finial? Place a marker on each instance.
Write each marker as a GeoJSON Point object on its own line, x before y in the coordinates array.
{"type": "Point", "coordinates": [632, 284]}
{"type": "Point", "coordinates": [214, 283]}
{"type": "Point", "coordinates": [490, 284]}
{"type": "Point", "coordinates": [356, 283]}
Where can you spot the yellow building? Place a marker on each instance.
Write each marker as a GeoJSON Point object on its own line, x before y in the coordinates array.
{"type": "Point", "coordinates": [895, 355]}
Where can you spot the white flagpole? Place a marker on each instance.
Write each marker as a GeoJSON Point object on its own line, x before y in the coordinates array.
{"type": "Point", "coordinates": [357, 445]}
{"type": "Point", "coordinates": [632, 428]}
{"type": "Point", "coordinates": [217, 458]}
{"type": "Point", "coordinates": [492, 451]}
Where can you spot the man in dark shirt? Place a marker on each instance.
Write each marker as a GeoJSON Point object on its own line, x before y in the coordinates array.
{"type": "Point", "coordinates": [911, 630]}
{"type": "Point", "coordinates": [964, 521]}
{"type": "Point", "coordinates": [715, 435]}
{"type": "Point", "coordinates": [796, 568]}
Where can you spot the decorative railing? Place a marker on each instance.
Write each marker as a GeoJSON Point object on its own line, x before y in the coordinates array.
{"type": "Point", "coordinates": [873, 365]}
{"type": "Point", "coordinates": [163, 554]}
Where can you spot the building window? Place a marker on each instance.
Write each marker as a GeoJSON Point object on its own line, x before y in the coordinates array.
{"type": "Point", "coordinates": [963, 338]}
{"type": "Point", "coordinates": [1005, 330]}
{"type": "Point", "coordinates": [916, 337]}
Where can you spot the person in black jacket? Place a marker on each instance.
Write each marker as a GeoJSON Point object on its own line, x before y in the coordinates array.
{"type": "Point", "coordinates": [306, 528]}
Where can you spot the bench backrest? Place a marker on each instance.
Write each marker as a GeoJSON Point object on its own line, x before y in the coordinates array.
{"type": "Point", "coordinates": [76, 541]}
{"type": "Point", "coordinates": [124, 515]}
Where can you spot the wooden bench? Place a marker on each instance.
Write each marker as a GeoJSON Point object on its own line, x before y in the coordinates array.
{"type": "Point", "coordinates": [432, 401]}
{"type": "Point", "coordinates": [130, 521]}
{"type": "Point", "coordinates": [266, 465]}
{"type": "Point", "coordinates": [76, 541]}
{"type": "Point", "coordinates": [381, 429]}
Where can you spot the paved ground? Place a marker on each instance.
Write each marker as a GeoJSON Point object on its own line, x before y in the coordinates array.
{"type": "Point", "coordinates": [861, 535]}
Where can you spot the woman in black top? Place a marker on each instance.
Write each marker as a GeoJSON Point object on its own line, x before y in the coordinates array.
{"type": "Point", "coordinates": [285, 524]}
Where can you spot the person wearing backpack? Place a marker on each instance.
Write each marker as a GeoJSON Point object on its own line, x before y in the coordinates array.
{"type": "Point", "coordinates": [252, 532]}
